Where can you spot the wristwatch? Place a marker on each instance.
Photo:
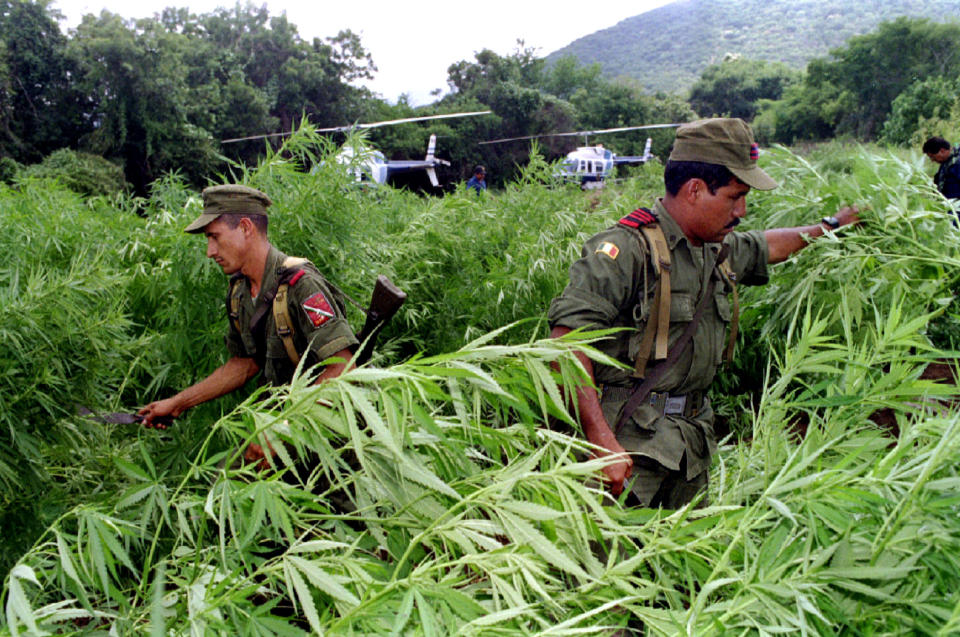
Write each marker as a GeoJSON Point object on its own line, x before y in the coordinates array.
{"type": "Point", "coordinates": [832, 222]}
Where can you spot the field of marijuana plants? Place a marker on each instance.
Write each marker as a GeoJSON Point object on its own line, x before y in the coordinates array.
{"type": "Point", "coordinates": [451, 493]}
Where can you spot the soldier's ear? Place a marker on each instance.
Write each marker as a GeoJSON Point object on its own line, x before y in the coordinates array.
{"type": "Point", "coordinates": [692, 189]}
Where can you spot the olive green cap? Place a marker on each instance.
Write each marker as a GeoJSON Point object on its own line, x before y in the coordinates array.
{"type": "Point", "coordinates": [724, 141]}
{"type": "Point", "coordinates": [229, 199]}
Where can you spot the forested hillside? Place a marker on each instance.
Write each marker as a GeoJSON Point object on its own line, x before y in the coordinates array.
{"type": "Point", "coordinates": [667, 49]}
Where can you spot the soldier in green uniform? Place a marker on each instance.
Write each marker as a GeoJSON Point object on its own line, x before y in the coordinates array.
{"type": "Point", "coordinates": [234, 221]}
{"type": "Point", "coordinates": [665, 443]}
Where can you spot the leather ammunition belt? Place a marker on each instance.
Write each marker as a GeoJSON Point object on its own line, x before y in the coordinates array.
{"type": "Point", "coordinates": [687, 405]}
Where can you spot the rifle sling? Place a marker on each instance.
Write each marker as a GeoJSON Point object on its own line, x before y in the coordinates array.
{"type": "Point", "coordinates": [643, 390]}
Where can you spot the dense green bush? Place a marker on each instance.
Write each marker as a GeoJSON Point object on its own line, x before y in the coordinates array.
{"type": "Point", "coordinates": [9, 168]}
{"type": "Point", "coordinates": [82, 173]}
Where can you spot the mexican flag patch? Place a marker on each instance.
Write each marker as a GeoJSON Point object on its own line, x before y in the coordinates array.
{"type": "Point", "coordinates": [608, 249]}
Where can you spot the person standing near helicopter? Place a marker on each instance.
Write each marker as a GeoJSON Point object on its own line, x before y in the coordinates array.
{"type": "Point", "coordinates": [479, 179]}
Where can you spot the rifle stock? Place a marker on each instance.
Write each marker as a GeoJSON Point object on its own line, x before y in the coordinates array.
{"type": "Point", "coordinates": [384, 304]}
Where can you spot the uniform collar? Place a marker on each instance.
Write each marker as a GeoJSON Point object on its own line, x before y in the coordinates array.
{"type": "Point", "coordinates": [671, 229]}
{"type": "Point", "coordinates": [271, 271]}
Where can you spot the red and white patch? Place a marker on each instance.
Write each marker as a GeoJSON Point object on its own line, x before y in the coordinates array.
{"type": "Point", "coordinates": [318, 309]}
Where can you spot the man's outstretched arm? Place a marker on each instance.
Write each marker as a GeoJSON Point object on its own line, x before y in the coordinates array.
{"type": "Point", "coordinates": [228, 377]}
{"type": "Point", "coordinates": [783, 242]}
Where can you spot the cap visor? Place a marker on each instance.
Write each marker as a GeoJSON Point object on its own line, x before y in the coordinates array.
{"type": "Point", "coordinates": [755, 178]}
{"type": "Point", "coordinates": [201, 222]}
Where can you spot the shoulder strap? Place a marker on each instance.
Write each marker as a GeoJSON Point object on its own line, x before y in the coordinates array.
{"type": "Point", "coordinates": [293, 270]}
{"type": "Point", "coordinates": [657, 330]}
{"type": "Point", "coordinates": [281, 318]}
{"type": "Point", "coordinates": [294, 262]}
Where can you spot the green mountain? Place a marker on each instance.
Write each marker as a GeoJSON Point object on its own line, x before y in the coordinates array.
{"type": "Point", "coordinates": [667, 48]}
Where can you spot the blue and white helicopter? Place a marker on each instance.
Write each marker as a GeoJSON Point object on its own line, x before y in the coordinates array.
{"type": "Point", "coordinates": [591, 165]}
{"type": "Point", "coordinates": [366, 164]}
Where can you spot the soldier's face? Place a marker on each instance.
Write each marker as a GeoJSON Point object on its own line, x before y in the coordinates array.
{"type": "Point", "coordinates": [940, 156]}
{"type": "Point", "coordinates": [226, 245]}
{"type": "Point", "coordinates": [718, 213]}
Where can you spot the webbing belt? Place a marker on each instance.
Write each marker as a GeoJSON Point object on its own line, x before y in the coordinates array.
{"type": "Point", "coordinates": [688, 405]}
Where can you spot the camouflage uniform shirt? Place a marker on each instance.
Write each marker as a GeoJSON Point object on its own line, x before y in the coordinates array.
{"type": "Point", "coordinates": [614, 287]}
{"type": "Point", "coordinates": [316, 309]}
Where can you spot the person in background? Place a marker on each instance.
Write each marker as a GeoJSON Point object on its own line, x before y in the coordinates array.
{"type": "Point", "coordinates": [478, 181]}
{"type": "Point", "coordinates": [947, 178]}
{"type": "Point", "coordinates": [655, 417]}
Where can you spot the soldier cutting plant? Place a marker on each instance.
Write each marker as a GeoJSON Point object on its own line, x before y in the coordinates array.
{"type": "Point", "coordinates": [280, 308]}
{"type": "Point", "coordinates": [668, 274]}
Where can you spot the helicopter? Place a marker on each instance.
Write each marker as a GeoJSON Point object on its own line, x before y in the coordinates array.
{"type": "Point", "coordinates": [591, 165]}
{"type": "Point", "coordinates": [366, 164]}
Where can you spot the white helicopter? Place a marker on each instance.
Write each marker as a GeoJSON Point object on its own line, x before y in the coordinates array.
{"type": "Point", "coordinates": [590, 165]}
{"type": "Point", "coordinates": [368, 164]}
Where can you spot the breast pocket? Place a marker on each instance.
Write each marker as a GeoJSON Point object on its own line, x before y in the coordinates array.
{"type": "Point", "coordinates": [682, 309]}
{"type": "Point", "coordinates": [278, 366]}
{"type": "Point", "coordinates": [275, 347]}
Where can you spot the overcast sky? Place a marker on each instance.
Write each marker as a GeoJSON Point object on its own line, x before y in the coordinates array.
{"type": "Point", "coordinates": [414, 42]}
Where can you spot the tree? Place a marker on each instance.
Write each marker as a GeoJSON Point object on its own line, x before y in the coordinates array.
{"type": "Point", "coordinates": [807, 111]}
{"type": "Point", "coordinates": [165, 91]}
{"type": "Point", "coordinates": [138, 95]}
{"type": "Point", "coordinates": [567, 76]}
{"type": "Point", "coordinates": [875, 68]}
{"type": "Point", "coordinates": [734, 87]}
{"type": "Point", "coordinates": [917, 109]}
{"type": "Point", "coordinates": [532, 99]}
{"type": "Point", "coordinates": [39, 108]}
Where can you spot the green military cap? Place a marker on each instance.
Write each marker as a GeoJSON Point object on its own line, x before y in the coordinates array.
{"type": "Point", "coordinates": [724, 141]}
{"type": "Point", "coordinates": [229, 199]}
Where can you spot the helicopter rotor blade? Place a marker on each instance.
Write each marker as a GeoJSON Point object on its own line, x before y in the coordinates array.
{"type": "Point", "coordinates": [582, 133]}
{"type": "Point", "coordinates": [337, 129]}
{"type": "Point", "coordinates": [390, 122]}
{"type": "Point", "coordinates": [245, 139]}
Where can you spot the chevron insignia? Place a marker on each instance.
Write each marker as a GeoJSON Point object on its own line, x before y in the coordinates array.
{"type": "Point", "coordinates": [639, 217]}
